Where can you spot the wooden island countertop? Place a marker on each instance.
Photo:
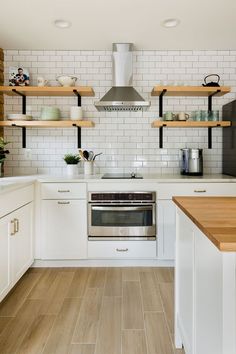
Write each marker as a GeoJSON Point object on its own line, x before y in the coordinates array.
{"type": "Point", "coordinates": [214, 216]}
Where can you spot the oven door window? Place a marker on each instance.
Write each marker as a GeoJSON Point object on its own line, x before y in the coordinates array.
{"type": "Point", "coordinates": [122, 216]}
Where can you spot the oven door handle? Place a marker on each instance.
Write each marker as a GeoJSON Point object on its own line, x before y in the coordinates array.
{"type": "Point", "coordinates": [131, 208]}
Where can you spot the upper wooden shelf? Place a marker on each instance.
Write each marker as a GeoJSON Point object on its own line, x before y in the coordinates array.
{"type": "Point", "coordinates": [47, 91]}
{"type": "Point", "coordinates": [189, 90]}
{"type": "Point", "coordinates": [190, 124]}
{"type": "Point", "coordinates": [47, 124]}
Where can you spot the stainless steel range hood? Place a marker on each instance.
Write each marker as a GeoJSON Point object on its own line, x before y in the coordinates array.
{"type": "Point", "coordinates": [122, 96]}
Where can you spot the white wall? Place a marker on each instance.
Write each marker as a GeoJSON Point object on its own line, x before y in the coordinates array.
{"type": "Point", "coordinates": [127, 140]}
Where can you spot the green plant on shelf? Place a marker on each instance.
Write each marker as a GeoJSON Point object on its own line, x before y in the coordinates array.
{"type": "Point", "coordinates": [71, 159]}
{"type": "Point", "coordinates": [3, 151]}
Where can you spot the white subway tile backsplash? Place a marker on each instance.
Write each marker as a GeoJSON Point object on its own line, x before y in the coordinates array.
{"type": "Point", "coordinates": [126, 139]}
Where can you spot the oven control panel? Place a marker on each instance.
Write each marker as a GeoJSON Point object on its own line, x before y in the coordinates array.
{"type": "Point", "coordinates": [122, 197]}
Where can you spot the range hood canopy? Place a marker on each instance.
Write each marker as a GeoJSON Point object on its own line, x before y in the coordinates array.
{"type": "Point", "coordinates": [122, 96]}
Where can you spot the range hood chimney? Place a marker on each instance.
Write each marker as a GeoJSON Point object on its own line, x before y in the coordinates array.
{"type": "Point", "coordinates": [122, 96]}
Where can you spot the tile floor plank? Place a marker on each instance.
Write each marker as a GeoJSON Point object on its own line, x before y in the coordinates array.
{"type": "Point", "coordinates": [113, 283]}
{"type": "Point", "coordinates": [56, 293]}
{"type": "Point", "coordinates": [14, 300]}
{"type": "Point", "coordinates": [132, 306]}
{"type": "Point", "coordinates": [79, 282]}
{"type": "Point", "coordinates": [39, 291]}
{"type": "Point", "coordinates": [133, 342]}
{"type": "Point", "coordinates": [3, 323]}
{"type": "Point", "coordinates": [87, 323]}
{"type": "Point", "coordinates": [15, 331]}
{"type": "Point", "coordinates": [109, 330]}
{"type": "Point", "coordinates": [164, 274]}
{"type": "Point", "coordinates": [97, 278]}
{"type": "Point", "coordinates": [130, 273]}
{"type": "Point", "coordinates": [158, 339]}
{"type": "Point", "coordinates": [82, 349]}
{"type": "Point", "coordinates": [150, 292]}
{"type": "Point", "coordinates": [37, 335]}
{"type": "Point", "coordinates": [167, 297]}
{"type": "Point", "coordinates": [59, 340]}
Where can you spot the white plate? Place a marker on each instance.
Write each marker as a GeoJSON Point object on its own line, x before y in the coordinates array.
{"type": "Point", "coordinates": [19, 117]}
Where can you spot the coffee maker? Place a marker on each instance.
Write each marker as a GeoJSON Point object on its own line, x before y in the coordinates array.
{"type": "Point", "coordinates": [191, 162]}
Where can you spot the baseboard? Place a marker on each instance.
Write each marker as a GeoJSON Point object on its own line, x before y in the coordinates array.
{"type": "Point", "coordinates": [104, 263]}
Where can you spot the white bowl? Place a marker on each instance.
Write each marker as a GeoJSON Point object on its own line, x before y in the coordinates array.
{"type": "Point", "coordinates": [67, 81]}
{"type": "Point", "coordinates": [18, 116]}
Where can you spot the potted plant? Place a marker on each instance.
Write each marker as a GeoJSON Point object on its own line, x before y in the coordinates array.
{"type": "Point", "coordinates": [3, 153]}
{"type": "Point", "coordinates": [72, 164]}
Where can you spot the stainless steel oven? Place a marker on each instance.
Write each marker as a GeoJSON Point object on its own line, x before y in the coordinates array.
{"type": "Point", "coordinates": [122, 216]}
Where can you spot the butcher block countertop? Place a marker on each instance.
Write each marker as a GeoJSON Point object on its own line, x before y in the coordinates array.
{"type": "Point", "coordinates": [214, 216]}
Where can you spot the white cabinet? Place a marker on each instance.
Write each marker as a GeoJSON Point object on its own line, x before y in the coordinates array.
{"type": "Point", "coordinates": [166, 229]}
{"type": "Point", "coordinates": [166, 209]}
{"type": "Point", "coordinates": [4, 257]}
{"type": "Point", "coordinates": [21, 247]}
{"type": "Point", "coordinates": [64, 221]}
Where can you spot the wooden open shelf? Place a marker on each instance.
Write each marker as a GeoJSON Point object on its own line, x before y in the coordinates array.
{"type": "Point", "coordinates": [190, 91]}
{"type": "Point", "coordinates": [47, 91]}
{"type": "Point", "coordinates": [190, 124]}
{"type": "Point", "coordinates": [47, 124]}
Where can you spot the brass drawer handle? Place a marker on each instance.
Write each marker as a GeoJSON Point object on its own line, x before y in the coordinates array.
{"type": "Point", "coordinates": [14, 229]}
{"type": "Point", "coordinates": [199, 190]}
{"type": "Point", "coordinates": [122, 250]}
{"type": "Point", "coordinates": [17, 225]}
{"type": "Point", "coordinates": [63, 191]}
{"type": "Point", "coordinates": [63, 203]}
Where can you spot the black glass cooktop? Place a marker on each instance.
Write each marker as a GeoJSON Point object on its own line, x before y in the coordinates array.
{"type": "Point", "coordinates": [122, 176]}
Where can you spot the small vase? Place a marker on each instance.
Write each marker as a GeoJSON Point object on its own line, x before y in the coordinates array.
{"type": "Point", "coordinates": [72, 170]}
{"type": "Point", "coordinates": [88, 167]}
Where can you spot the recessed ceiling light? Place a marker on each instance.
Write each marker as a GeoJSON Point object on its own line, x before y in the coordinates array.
{"type": "Point", "coordinates": [62, 24]}
{"type": "Point", "coordinates": [171, 22]}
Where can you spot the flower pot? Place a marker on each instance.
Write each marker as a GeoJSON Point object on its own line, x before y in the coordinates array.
{"type": "Point", "coordinates": [72, 170]}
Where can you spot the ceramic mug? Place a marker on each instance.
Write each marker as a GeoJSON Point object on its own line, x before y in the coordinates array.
{"type": "Point", "coordinates": [76, 113]}
{"type": "Point", "coordinates": [182, 116]}
{"type": "Point", "coordinates": [41, 81]}
{"type": "Point", "coordinates": [169, 116]}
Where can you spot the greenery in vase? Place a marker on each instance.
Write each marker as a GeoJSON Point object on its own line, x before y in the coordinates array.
{"type": "Point", "coordinates": [71, 159]}
{"type": "Point", "coordinates": [3, 152]}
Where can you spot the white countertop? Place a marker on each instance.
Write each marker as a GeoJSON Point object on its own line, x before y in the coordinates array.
{"type": "Point", "coordinates": [11, 183]}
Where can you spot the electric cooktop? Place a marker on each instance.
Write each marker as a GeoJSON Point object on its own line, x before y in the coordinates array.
{"type": "Point", "coordinates": [131, 175]}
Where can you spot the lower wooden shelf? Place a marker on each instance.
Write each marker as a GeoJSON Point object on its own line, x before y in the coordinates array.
{"type": "Point", "coordinates": [190, 124]}
{"type": "Point", "coordinates": [47, 123]}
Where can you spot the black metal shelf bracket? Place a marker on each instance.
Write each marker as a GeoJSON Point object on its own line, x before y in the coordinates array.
{"type": "Point", "coordinates": [23, 129]}
{"type": "Point", "coordinates": [161, 136]}
{"type": "Point", "coordinates": [78, 135]}
{"type": "Point", "coordinates": [79, 97]}
{"type": "Point", "coordinates": [210, 99]}
{"type": "Point", "coordinates": [161, 103]}
{"type": "Point", "coordinates": [23, 100]}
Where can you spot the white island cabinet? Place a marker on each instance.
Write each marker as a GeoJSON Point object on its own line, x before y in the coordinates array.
{"type": "Point", "coordinates": [205, 283]}
{"type": "Point", "coordinates": [16, 236]}
{"type": "Point", "coordinates": [64, 221]}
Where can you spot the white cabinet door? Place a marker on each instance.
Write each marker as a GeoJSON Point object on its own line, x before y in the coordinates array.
{"type": "Point", "coordinates": [166, 229]}
{"type": "Point", "coordinates": [4, 257]}
{"type": "Point", "coordinates": [21, 248]}
{"type": "Point", "coordinates": [64, 229]}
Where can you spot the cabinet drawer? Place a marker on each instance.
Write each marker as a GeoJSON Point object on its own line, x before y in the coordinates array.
{"type": "Point", "coordinates": [122, 249]}
{"type": "Point", "coordinates": [63, 190]}
{"type": "Point", "coordinates": [168, 190]}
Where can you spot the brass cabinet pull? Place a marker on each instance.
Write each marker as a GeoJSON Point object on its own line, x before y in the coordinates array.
{"type": "Point", "coordinates": [63, 191]}
{"type": "Point", "coordinates": [14, 229]}
{"type": "Point", "coordinates": [17, 225]}
{"type": "Point", "coordinates": [199, 190]}
{"type": "Point", "coordinates": [122, 250]}
{"type": "Point", "coordinates": [63, 203]}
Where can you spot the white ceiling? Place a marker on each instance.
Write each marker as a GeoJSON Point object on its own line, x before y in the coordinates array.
{"type": "Point", "coordinates": [205, 24]}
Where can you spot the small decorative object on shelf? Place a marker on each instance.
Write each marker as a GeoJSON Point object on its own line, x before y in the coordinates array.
{"type": "Point", "coordinates": [67, 81]}
{"type": "Point", "coordinates": [18, 76]}
{"type": "Point", "coordinates": [41, 82]}
{"type": "Point", "coordinates": [71, 164]}
{"type": "Point", "coordinates": [3, 153]}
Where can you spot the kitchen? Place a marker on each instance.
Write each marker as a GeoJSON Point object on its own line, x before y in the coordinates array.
{"type": "Point", "coordinates": [76, 274]}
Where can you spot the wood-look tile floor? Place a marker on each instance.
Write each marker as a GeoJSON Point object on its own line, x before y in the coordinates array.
{"type": "Point", "coordinates": [89, 311]}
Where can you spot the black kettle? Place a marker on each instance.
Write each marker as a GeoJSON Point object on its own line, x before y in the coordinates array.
{"type": "Point", "coordinates": [211, 83]}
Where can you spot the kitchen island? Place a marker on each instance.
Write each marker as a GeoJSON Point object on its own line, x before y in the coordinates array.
{"type": "Point", "coordinates": [205, 281]}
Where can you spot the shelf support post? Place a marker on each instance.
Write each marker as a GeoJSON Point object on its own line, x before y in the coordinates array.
{"type": "Point", "coordinates": [209, 137]}
{"type": "Point", "coordinates": [23, 129]}
{"type": "Point", "coordinates": [23, 100]}
{"type": "Point", "coordinates": [161, 103]}
{"type": "Point", "coordinates": [78, 135]}
{"type": "Point", "coordinates": [79, 97]}
{"type": "Point", "coordinates": [210, 99]}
